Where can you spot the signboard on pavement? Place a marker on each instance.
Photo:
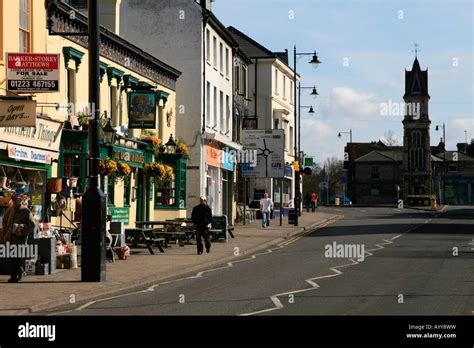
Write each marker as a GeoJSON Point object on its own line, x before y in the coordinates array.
{"type": "Point", "coordinates": [17, 113]}
{"type": "Point", "coordinates": [32, 72]}
{"type": "Point", "coordinates": [270, 147]}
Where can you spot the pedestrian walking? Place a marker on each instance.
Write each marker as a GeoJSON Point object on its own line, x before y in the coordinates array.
{"type": "Point", "coordinates": [18, 222]}
{"type": "Point", "coordinates": [314, 201]}
{"type": "Point", "coordinates": [202, 217]}
{"type": "Point", "coordinates": [266, 206]}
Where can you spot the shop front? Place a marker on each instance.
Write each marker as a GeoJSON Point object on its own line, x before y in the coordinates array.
{"type": "Point", "coordinates": [128, 190]}
{"type": "Point", "coordinates": [26, 163]}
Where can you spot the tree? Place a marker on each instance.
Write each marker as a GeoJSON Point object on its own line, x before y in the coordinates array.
{"type": "Point", "coordinates": [470, 149]}
{"type": "Point", "coordinates": [390, 139]}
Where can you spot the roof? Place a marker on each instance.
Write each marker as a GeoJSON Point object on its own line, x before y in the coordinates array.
{"type": "Point", "coordinates": [416, 80]}
{"type": "Point", "coordinates": [220, 28]}
{"type": "Point", "coordinates": [255, 50]}
{"type": "Point", "coordinates": [381, 156]}
{"type": "Point", "coordinates": [450, 156]}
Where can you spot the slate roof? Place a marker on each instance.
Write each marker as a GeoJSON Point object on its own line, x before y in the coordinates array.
{"type": "Point", "coordinates": [381, 156]}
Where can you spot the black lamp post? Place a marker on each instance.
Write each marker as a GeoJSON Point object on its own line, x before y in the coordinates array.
{"type": "Point", "coordinates": [94, 204]}
{"type": "Point", "coordinates": [444, 160]}
{"type": "Point", "coordinates": [171, 145]}
{"type": "Point", "coordinates": [315, 63]}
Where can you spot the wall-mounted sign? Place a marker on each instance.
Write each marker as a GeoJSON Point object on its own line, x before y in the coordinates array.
{"type": "Point", "coordinates": [308, 161]}
{"type": "Point", "coordinates": [46, 135]}
{"type": "Point", "coordinates": [29, 154]}
{"type": "Point", "coordinates": [120, 214]}
{"type": "Point", "coordinates": [213, 156]}
{"type": "Point", "coordinates": [141, 110]}
{"type": "Point", "coordinates": [270, 147]}
{"type": "Point", "coordinates": [32, 72]}
{"type": "Point", "coordinates": [17, 113]}
{"type": "Point", "coordinates": [132, 157]}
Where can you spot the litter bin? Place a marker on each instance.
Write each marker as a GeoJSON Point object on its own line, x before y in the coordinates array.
{"type": "Point", "coordinates": [291, 216]}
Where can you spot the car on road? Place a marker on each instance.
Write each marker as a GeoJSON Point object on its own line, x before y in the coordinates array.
{"type": "Point", "coordinates": [343, 199]}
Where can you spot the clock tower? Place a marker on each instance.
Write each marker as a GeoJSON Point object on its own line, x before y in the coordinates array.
{"type": "Point", "coordinates": [417, 175]}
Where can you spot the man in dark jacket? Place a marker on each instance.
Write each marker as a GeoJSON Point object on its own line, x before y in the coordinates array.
{"type": "Point", "coordinates": [201, 217]}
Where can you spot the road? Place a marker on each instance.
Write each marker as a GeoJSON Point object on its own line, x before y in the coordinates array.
{"type": "Point", "coordinates": [417, 263]}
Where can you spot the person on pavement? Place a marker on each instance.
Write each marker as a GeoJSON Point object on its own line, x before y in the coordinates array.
{"type": "Point", "coordinates": [307, 202]}
{"type": "Point", "coordinates": [314, 201]}
{"type": "Point", "coordinates": [266, 206]}
{"type": "Point", "coordinates": [202, 217]}
{"type": "Point", "coordinates": [18, 223]}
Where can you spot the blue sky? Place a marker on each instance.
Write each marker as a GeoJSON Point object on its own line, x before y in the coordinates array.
{"type": "Point", "coordinates": [375, 40]}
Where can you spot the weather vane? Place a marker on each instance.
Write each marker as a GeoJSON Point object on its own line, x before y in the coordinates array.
{"type": "Point", "coordinates": [417, 49]}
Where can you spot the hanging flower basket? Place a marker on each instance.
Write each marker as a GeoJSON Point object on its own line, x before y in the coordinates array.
{"type": "Point", "coordinates": [159, 172]}
{"type": "Point", "coordinates": [183, 149]}
{"type": "Point", "coordinates": [153, 141]}
{"type": "Point", "coordinates": [108, 167]}
{"type": "Point", "coordinates": [123, 171]}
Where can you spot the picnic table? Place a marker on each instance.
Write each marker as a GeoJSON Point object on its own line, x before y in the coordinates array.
{"type": "Point", "coordinates": [147, 236]}
{"type": "Point", "coordinates": [171, 229]}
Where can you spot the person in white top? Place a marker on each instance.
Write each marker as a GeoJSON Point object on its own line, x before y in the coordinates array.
{"type": "Point", "coordinates": [266, 206]}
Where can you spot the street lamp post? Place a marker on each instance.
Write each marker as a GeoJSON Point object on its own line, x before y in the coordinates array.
{"type": "Point", "coordinates": [315, 62]}
{"type": "Point", "coordinates": [350, 135]}
{"type": "Point", "coordinates": [444, 160]}
{"type": "Point", "coordinates": [94, 205]}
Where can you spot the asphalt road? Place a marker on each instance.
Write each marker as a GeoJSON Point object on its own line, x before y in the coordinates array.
{"type": "Point", "coordinates": [413, 269]}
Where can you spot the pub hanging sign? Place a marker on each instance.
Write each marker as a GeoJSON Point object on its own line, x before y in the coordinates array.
{"type": "Point", "coordinates": [142, 110]}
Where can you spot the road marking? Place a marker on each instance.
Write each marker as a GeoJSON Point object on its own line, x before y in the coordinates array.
{"type": "Point", "coordinates": [199, 274]}
{"type": "Point", "coordinates": [314, 285]}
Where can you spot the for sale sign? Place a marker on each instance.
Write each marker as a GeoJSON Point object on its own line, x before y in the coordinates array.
{"type": "Point", "coordinates": [33, 72]}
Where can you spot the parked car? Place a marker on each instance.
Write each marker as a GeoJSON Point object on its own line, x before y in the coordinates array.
{"type": "Point", "coordinates": [344, 200]}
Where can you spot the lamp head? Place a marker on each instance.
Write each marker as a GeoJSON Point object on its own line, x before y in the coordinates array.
{"type": "Point", "coordinates": [311, 110]}
{"type": "Point", "coordinates": [339, 135]}
{"type": "Point", "coordinates": [171, 145]}
{"type": "Point", "coordinates": [315, 61]}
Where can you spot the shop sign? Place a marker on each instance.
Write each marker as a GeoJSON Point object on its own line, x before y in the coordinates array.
{"type": "Point", "coordinates": [270, 147]}
{"type": "Point", "coordinates": [142, 110]}
{"type": "Point", "coordinates": [288, 172]}
{"type": "Point", "coordinates": [29, 154]}
{"type": "Point", "coordinates": [120, 215]}
{"type": "Point", "coordinates": [213, 156]}
{"type": "Point", "coordinates": [131, 157]}
{"type": "Point", "coordinates": [32, 72]}
{"type": "Point", "coordinates": [227, 161]}
{"type": "Point", "coordinates": [18, 113]}
{"type": "Point", "coordinates": [46, 135]}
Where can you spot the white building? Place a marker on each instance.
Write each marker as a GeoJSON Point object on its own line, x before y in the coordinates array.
{"type": "Point", "coordinates": [271, 87]}
{"type": "Point", "coordinates": [187, 34]}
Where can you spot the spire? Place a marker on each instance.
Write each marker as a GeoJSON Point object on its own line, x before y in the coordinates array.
{"type": "Point", "coordinates": [416, 65]}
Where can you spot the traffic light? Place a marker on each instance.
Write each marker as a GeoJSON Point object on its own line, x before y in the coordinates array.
{"type": "Point", "coordinates": [296, 166]}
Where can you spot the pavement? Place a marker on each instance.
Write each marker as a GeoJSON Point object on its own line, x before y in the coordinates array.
{"type": "Point", "coordinates": [38, 294]}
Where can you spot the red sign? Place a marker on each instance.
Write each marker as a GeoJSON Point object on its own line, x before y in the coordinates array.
{"type": "Point", "coordinates": [33, 72]}
{"type": "Point", "coordinates": [33, 61]}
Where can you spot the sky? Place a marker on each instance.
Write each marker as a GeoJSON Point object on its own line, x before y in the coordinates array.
{"type": "Point", "coordinates": [365, 47]}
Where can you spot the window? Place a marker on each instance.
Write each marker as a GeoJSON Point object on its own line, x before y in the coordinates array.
{"type": "Point", "coordinates": [291, 139]}
{"type": "Point", "coordinates": [172, 195]}
{"type": "Point", "coordinates": [417, 139]}
{"type": "Point", "coordinates": [126, 191]}
{"type": "Point", "coordinates": [228, 116]}
{"type": "Point", "coordinates": [291, 92]}
{"type": "Point", "coordinates": [25, 26]}
{"type": "Point", "coordinates": [227, 62]}
{"type": "Point", "coordinates": [276, 81]}
{"type": "Point", "coordinates": [81, 4]}
{"type": "Point", "coordinates": [276, 123]}
{"type": "Point", "coordinates": [214, 47]}
{"type": "Point", "coordinates": [208, 102]}
{"type": "Point", "coordinates": [284, 87]}
{"type": "Point", "coordinates": [71, 86]}
{"type": "Point", "coordinates": [73, 161]}
{"type": "Point", "coordinates": [453, 168]}
{"type": "Point", "coordinates": [214, 120]}
{"type": "Point", "coordinates": [237, 78]}
{"type": "Point", "coordinates": [221, 105]}
{"type": "Point", "coordinates": [244, 81]}
{"type": "Point", "coordinates": [375, 172]}
{"type": "Point", "coordinates": [221, 57]}
{"type": "Point", "coordinates": [208, 45]}
{"type": "Point", "coordinates": [113, 106]}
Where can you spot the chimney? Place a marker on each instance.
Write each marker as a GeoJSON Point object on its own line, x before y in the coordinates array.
{"type": "Point", "coordinates": [462, 147]}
